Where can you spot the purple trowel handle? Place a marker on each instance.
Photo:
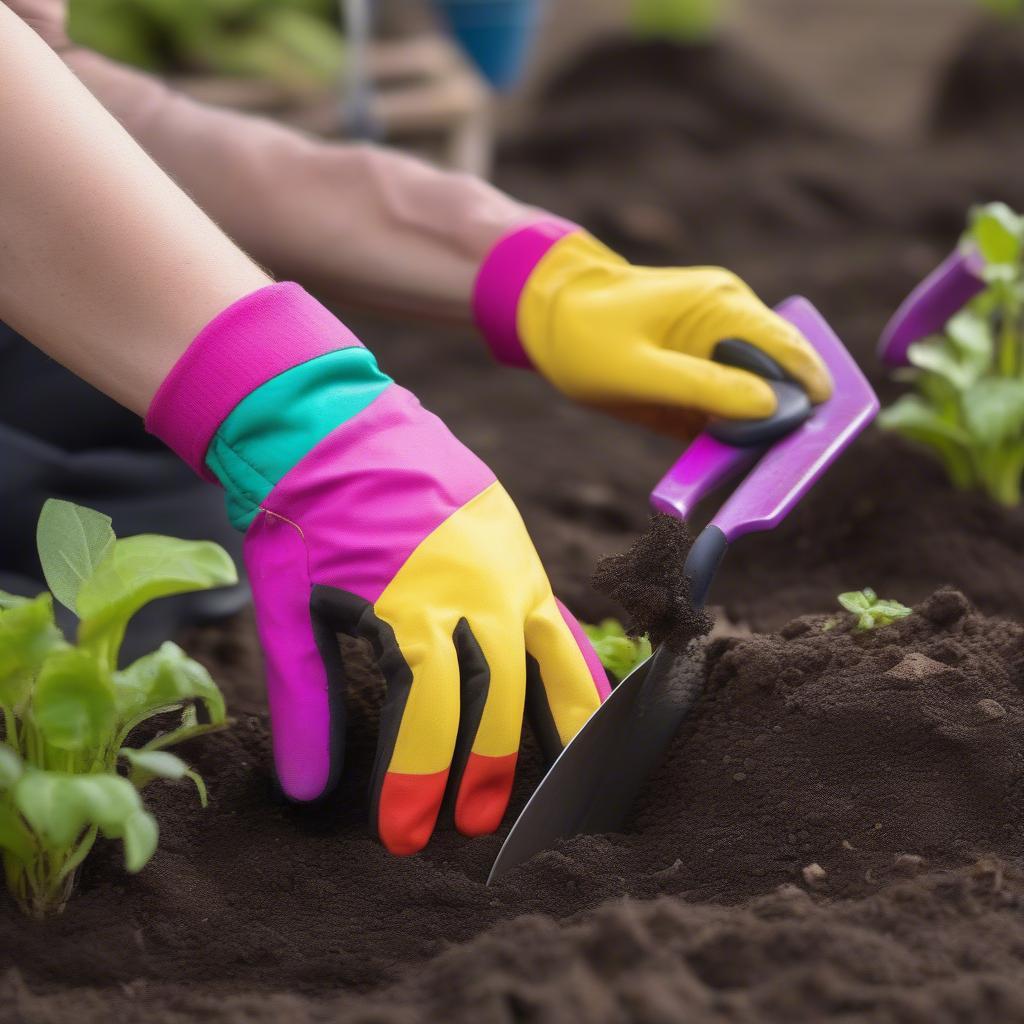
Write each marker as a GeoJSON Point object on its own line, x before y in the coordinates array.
{"type": "Point", "coordinates": [708, 461]}
{"type": "Point", "coordinates": [790, 467]}
{"type": "Point", "coordinates": [945, 291]}
{"type": "Point", "coordinates": [705, 464]}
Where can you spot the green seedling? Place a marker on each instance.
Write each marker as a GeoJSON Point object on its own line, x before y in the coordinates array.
{"type": "Point", "coordinates": [1005, 8]}
{"type": "Point", "coordinates": [619, 653]}
{"type": "Point", "coordinates": [69, 711]}
{"type": "Point", "coordinates": [967, 406]}
{"type": "Point", "coordinates": [872, 611]}
{"type": "Point", "coordinates": [296, 43]}
{"type": "Point", "coordinates": [685, 21]}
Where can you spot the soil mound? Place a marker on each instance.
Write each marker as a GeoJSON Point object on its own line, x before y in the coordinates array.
{"type": "Point", "coordinates": [878, 757]}
{"type": "Point", "coordinates": [981, 91]}
{"type": "Point", "coordinates": [613, 97]}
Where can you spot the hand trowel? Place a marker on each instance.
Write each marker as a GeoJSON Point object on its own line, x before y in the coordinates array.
{"type": "Point", "coordinates": [594, 782]}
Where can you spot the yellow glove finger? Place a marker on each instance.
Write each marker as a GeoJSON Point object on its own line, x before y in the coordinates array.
{"type": "Point", "coordinates": [492, 662]}
{"type": "Point", "coordinates": [415, 752]}
{"type": "Point", "coordinates": [756, 323]}
{"type": "Point", "coordinates": [564, 691]}
{"type": "Point", "coordinates": [661, 377]}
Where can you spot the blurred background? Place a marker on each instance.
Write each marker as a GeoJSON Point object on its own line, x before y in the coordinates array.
{"type": "Point", "coordinates": [427, 71]}
{"type": "Point", "coordinates": [830, 148]}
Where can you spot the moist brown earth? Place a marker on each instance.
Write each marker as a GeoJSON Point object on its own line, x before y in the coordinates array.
{"type": "Point", "coordinates": [837, 832]}
{"type": "Point", "coordinates": [647, 582]}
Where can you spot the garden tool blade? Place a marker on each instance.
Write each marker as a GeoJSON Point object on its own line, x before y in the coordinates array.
{"type": "Point", "coordinates": [945, 291]}
{"type": "Point", "coordinates": [593, 784]}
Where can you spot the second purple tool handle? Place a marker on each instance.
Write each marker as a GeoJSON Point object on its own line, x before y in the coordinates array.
{"type": "Point", "coordinates": [786, 469]}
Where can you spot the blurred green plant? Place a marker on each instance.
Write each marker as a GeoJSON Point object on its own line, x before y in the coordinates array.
{"type": "Point", "coordinates": [68, 712]}
{"type": "Point", "coordinates": [687, 21]}
{"type": "Point", "coordinates": [1005, 8]}
{"type": "Point", "coordinates": [967, 406]}
{"type": "Point", "coordinates": [296, 43]}
{"type": "Point", "coordinates": [619, 653]}
{"type": "Point", "coordinates": [871, 610]}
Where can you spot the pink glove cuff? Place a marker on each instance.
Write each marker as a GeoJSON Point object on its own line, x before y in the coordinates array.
{"type": "Point", "coordinates": [501, 279]}
{"type": "Point", "coordinates": [254, 339]}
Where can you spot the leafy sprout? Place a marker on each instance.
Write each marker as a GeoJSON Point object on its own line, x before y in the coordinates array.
{"type": "Point", "coordinates": [296, 43]}
{"type": "Point", "coordinates": [967, 405]}
{"type": "Point", "coordinates": [689, 21]}
{"type": "Point", "coordinates": [872, 611]}
{"type": "Point", "coordinates": [68, 711]}
{"type": "Point", "coordinates": [1005, 8]}
{"type": "Point", "coordinates": [619, 653]}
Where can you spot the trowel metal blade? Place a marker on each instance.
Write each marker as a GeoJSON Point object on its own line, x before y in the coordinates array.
{"type": "Point", "coordinates": [595, 780]}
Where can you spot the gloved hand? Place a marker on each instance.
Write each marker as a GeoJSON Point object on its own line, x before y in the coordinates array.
{"type": "Point", "coordinates": [364, 515]}
{"type": "Point", "coordinates": [635, 339]}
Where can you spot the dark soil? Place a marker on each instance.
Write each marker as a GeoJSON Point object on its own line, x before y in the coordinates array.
{"type": "Point", "coordinates": [822, 764]}
{"type": "Point", "coordinates": [981, 92]}
{"type": "Point", "coordinates": [648, 583]}
{"type": "Point", "coordinates": [837, 832]}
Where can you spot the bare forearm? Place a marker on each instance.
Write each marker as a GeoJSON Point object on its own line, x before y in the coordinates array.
{"type": "Point", "coordinates": [360, 223]}
{"type": "Point", "coordinates": [104, 262]}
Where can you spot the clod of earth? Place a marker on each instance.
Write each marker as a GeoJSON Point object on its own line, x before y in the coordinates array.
{"type": "Point", "coordinates": [648, 581]}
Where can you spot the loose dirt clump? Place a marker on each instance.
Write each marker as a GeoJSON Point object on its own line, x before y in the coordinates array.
{"type": "Point", "coordinates": [648, 581]}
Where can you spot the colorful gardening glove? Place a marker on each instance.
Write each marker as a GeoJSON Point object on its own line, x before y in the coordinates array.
{"type": "Point", "coordinates": [364, 515]}
{"type": "Point", "coordinates": [637, 340]}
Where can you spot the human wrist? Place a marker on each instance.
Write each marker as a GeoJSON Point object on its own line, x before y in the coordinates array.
{"type": "Point", "coordinates": [502, 278]}
{"type": "Point", "coordinates": [255, 339]}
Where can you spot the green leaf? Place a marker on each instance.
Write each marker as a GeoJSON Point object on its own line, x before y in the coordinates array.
{"type": "Point", "coordinates": [72, 541]}
{"type": "Point", "coordinates": [11, 600]}
{"type": "Point", "coordinates": [994, 410]}
{"type": "Point", "coordinates": [150, 764]}
{"type": "Point", "coordinates": [971, 334]}
{"type": "Point", "coordinates": [10, 767]}
{"type": "Point", "coordinates": [872, 611]}
{"type": "Point", "coordinates": [166, 679]}
{"type": "Point", "coordinates": [911, 416]}
{"type": "Point", "coordinates": [15, 838]}
{"type": "Point", "coordinates": [617, 652]}
{"type": "Point", "coordinates": [59, 808]}
{"type": "Point", "coordinates": [137, 570]}
{"type": "Point", "coordinates": [73, 702]}
{"type": "Point", "coordinates": [855, 601]}
{"type": "Point", "coordinates": [140, 838]}
{"type": "Point", "coordinates": [998, 232]}
{"type": "Point", "coordinates": [28, 635]}
{"type": "Point", "coordinates": [158, 763]}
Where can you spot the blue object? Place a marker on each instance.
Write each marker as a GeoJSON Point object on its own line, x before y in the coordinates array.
{"type": "Point", "coordinates": [496, 34]}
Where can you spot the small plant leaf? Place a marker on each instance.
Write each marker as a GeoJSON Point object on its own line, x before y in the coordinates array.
{"type": "Point", "coordinates": [28, 635]}
{"type": "Point", "coordinates": [994, 410]}
{"type": "Point", "coordinates": [166, 679]}
{"type": "Point", "coordinates": [140, 836]}
{"type": "Point", "coordinates": [60, 807]}
{"type": "Point", "coordinates": [73, 702]}
{"type": "Point", "coordinates": [998, 232]}
{"type": "Point", "coordinates": [137, 570]}
{"type": "Point", "coordinates": [10, 767]}
{"type": "Point", "coordinates": [871, 611]}
{"type": "Point", "coordinates": [15, 838]}
{"type": "Point", "coordinates": [11, 600]}
{"type": "Point", "coordinates": [158, 764]}
{"type": "Point", "coordinates": [971, 334]}
{"type": "Point", "coordinates": [618, 653]}
{"type": "Point", "coordinates": [72, 541]}
{"type": "Point", "coordinates": [854, 601]}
